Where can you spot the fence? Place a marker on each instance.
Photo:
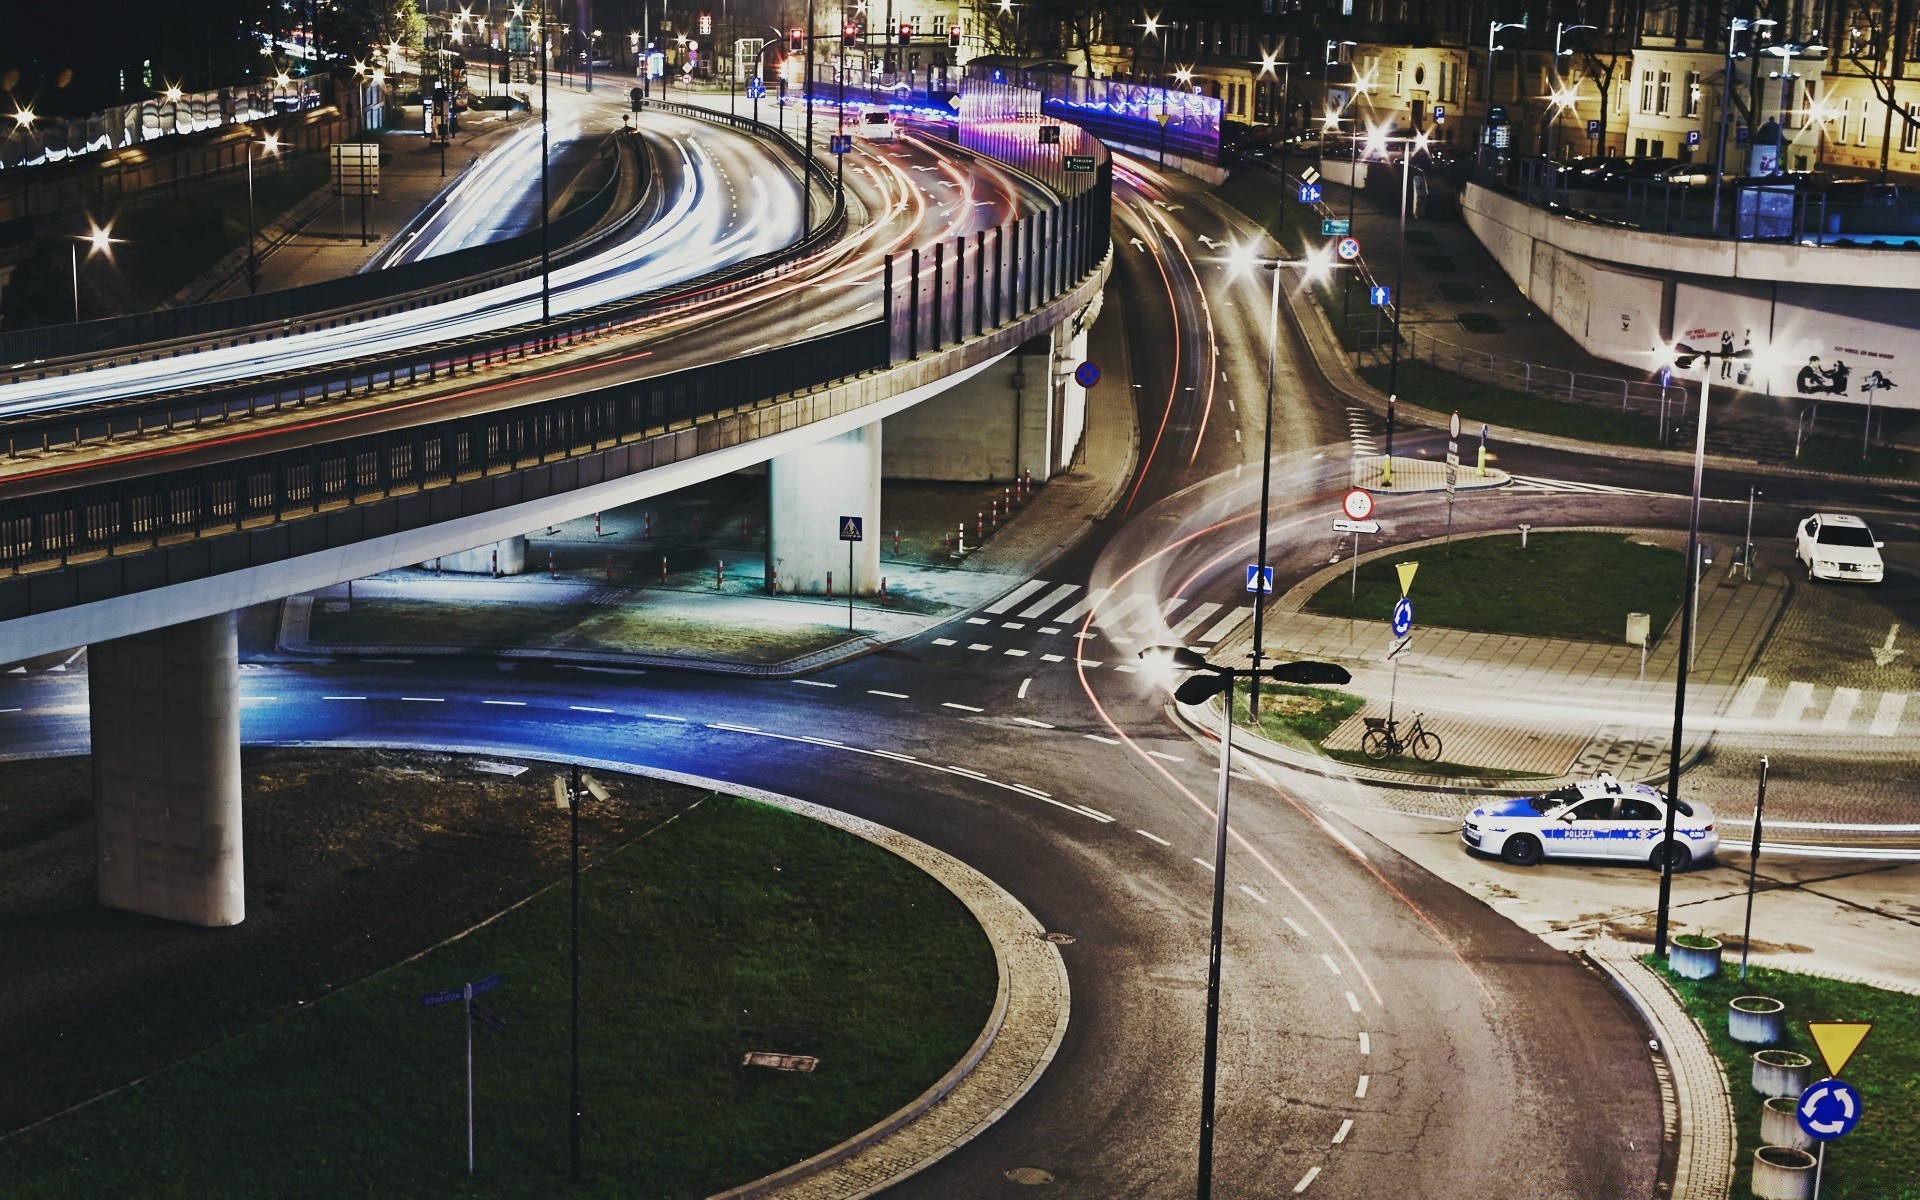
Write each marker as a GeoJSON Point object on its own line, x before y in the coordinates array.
{"type": "Point", "coordinates": [57, 139]}
{"type": "Point", "coordinates": [930, 300]}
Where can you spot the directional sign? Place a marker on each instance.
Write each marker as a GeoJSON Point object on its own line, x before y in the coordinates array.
{"type": "Point", "coordinates": [478, 987]}
{"type": "Point", "coordinates": [1402, 617]}
{"type": "Point", "coordinates": [1335, 227]}
{"type": "Point", "coordinates": [1087, 374]}
{"type": "Point", "coordinates": [1357, 504]}
{"type": "Point", "coordinates": [1379, 295]}
{"type": "Point", "coordinates": [1593, 129]}
{"type": "Point", "coordinates": [1828, 1109]}
{"type": "Point", "coordinates": [755, 88]}
{"type": "Point", "coordinates": [1049, 135]}
{"type": "Point", "coordinates": [1348, 249]}
{"type": "Point", "coordinates": [1838, 1040]}
{"type": "Point", "coordinates": [1309, 193]}
{"type": "Point", "coordinates": [852, 529]}
{"type": "Point", "coordinates": [1439, 113]}
{"type": "Point", "coordinates": [490, 1019]}
{"type": "Point", "coordinates": [1265, 577]}
{"type": "Point", "coordinates": [1078, 164]}
{"type": "Point", "coordinates": [840, 143]}
{"type": "Point", "coordinates": [1340, 526]}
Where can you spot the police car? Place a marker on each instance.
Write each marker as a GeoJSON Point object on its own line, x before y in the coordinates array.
{"type": "Point", "coordinates": [1601, 818]}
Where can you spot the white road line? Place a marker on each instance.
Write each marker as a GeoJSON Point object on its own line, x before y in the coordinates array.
{"type": "Point", "coordinates": [943, 642]}
{"type": "Point", "coordinates": [1050, 599]}
{"type": "Point", "coordinates": [730, 727]}
{"type": "Point", "coordinates": [1192, 621]}
{"type": "Point", "coordinates": [1220, 629]}
{"type": "Point", "coordinates": [1013, 624]}
{"type": "Point", "coordinates": [1798, 696]}
{"type": "Point", "coordinates": [1342, 838]}
{"type": "Point", "coordinates": [965, 771]}
{"type": "Point", "coordinates": [1032, 722]}
{"type": "Point", "coordinates": [1748, 697]}
{"type": "Point", "coordinates": [1306, 1180]}
{"type": "Point", "coordinates": [1125, 669]}
{"type": "Point", "coordinates": [1152, 837]}
{"type": "Point", "coordinates": [363, 698]}
{"type": "Point", "coordinates": [1346, 1127]}
{"type": "Point", "coordinates": [1094, 737]}
{"type": "Point", "coordinates": [11, 710]}
{"type": "Point", "coordinates": [259, 699]}
{"type": "Point", "coordinates": [1024, 685]}
{"type": "Point", "coordinates": [1203, 862]}
{"type": "Point", "coordinates": [979, 646]}
{"type": "Point", "coordinates": [587, 708]}
{"type": "Point", "coordinates": [815, 683]}
{"type": "Point", "coordinates": [1353, 1002]}
{"type": "Point", "coordinates": [1095, 813]}
{"type": "Point", "coordinates": [1052, 658]}
{"type": "Point", "coordinates": [1112, 617]}
{"type": "Point", "coordinates": [425, 699]}
{"type": "Point", "coordinates": [1085, 604]}
{"type": "Point", "coordinates": [1148, 619]}
{"type": "Point", "coordinates": [961, 707]}
{"type": "Point", "coordinates": [1092, 662]}
{"type": "Point", "coordinates": [1255, 895]}
{"type": "Point", "coordinates": [1296, 926]}
{"type": "Point", "coordinates": [1366, 1044]}
{"type": "Point", "coordinates": [1015, 653]}
{"type": "Point", "coordinates": [1886, 718]}
{"type": "Point", "coordinates": [1360, 1089]}
{"type": "Point", "coordinates": [820, 741]}
{"type": "Point", "coordinates": [978, 621]}
{"type": "Point", "coordinates": [664, 717]}
{"type": "Point", "coordinates": [1048, 629]}
{"type": "Point", "coordinates": [888, 695]}
{"type": "Point", "coordinates": [1168, 757]}
{"type": "Point", "coordinates": [1331, 965]}
{"type": "Point", "coordinates": [1015, 596]}
{"type": "Point", "coordinates": [1840, 708]}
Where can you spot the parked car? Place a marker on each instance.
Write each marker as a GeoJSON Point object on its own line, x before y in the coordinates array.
{"type": "Point", "coordinates": [1689, 175]}
{"type": "Point", "coordinates": [1600, 818]}
{"type": "Point", "coordinates": [1839, 547]}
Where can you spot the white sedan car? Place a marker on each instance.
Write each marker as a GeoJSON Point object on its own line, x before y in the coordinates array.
{"type": "Point", "coordinates": [1602, 818]}
{"type": "Point", "coordinates": [1836, 546]}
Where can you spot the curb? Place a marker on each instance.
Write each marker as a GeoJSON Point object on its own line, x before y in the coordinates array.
{"type": "Point", "coordinates": [1697, 1107]}
{"type": "Point", "coordinates": [1029, 1020]}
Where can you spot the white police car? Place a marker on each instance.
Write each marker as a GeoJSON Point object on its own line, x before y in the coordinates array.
{"type": "Point", "coordinates": [1602, 818]}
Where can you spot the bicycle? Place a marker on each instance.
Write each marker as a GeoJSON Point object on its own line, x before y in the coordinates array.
{"type": "Point", "coordinates": [1382, 740]}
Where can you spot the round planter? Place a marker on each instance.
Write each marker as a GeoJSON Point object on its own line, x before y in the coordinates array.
{"type": "Point", "coordinates": [1780, 1072]}
{"type": "Point", "coordinates": [1782, 1173]}
{"type": "Point", "coordinates": [1756, 1020]}
{"type": "Point", "coordinates": [1694, 962]}
{"type": "Point", "coordinates": [1780, 1125]}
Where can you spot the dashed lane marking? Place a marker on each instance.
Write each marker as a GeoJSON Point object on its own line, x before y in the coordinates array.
{"type": "Point", "coordinates": [1094, 737]}
{"type": "Point", "coordinates": [1366, 1045]}
{"type": "Point", "coordinates": [1360, 1089]}
{"type": "Point", "coordinates": [1296, 926]}
{"type": "Point", "coordinates": [1256, 896]}
{"type": "Point", "coordinates": [1204, 863]}
{"type": "Point", "coordinates": [1353, 1002]}
{"type": "Point", "coordinates": [1331, 965]}
{"type": "Point", "coordinates": [425, 699]}
{"type": "Point", "coordinates": [1306, 1181]}
{"type": "Point", "coordinates": [888, 695]}
{"type": "Point", "coordinates": [1052, 658]}
{"type": "Point", "coordinates": [944, 642]}
{"type": "Point", "coordinates": [1346, 1127]}
{"type": "Point", "coordinates": [1168, 757]}
{"type": "Point", "coordinates": [588, 708]}
{"type": "Point", "coordinates": [979, 646]}
{"type": "Point", "coordinates": [1015, 653]}
{"type": "Point", "coordinates": [664, 717]}
{"type": "Point", "coordinates": [1024, 685]}
{"type": "Point", "coordinates": [814, 683]}
{"type": "Point", "coordinates": [1032, 722]}
{"type": "Point", "coordinates": [961, 707]}
{"type": "Point", "coordinates": [363, 698]}
{"type": "Point", "coordinates": [1013, 625]}
{"type": "Point", "coordinates": [1153, 837]}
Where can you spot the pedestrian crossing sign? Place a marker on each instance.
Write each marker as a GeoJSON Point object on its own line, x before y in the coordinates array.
{"type": "Point", "coordinates": [852, 529]}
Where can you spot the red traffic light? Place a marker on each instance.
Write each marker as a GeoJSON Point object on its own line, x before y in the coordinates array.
{"type": "Point", "coordinates": [793, 39]}
{"type": "Point", "coordinates": [953, 35]}
{"type": "Point", "coordinates": [906, 32]}
{"type": "Point", "coordinates": [849, 34]}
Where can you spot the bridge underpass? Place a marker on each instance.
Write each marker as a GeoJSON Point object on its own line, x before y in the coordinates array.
{"type": "Point", "coordinates": [147, 566]}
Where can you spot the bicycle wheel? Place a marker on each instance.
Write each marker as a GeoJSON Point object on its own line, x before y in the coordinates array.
{"type": "Point", "coordinates": [1426, 746]}
{"type": "Point", "coordinates": [1375, 745]}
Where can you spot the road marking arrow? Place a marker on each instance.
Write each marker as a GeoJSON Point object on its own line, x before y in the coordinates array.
{"type": "Point", "coordinates": [1883, 655]}
{"type": "Point", "coordinates": [1209, 243]}
{"type": "Point", "coordinates": [1169, 207]}
{"type": "Point", "coordinates": [1138, 244]}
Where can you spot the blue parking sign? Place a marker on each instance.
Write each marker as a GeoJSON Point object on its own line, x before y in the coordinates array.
{"type": "Point", "coordinates": [1309, 193]}
{"type": "Point", "coordinates": [1439, 113]}
{"type": "Point", "coordinates": [1693, 137]}
{"type": "Point", "coordinates": [1380, 296]}
{"type": "Point", "coordinates": [1593, 129]}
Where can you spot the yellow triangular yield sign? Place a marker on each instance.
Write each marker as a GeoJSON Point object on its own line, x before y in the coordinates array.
{"type": "Point", "coordinates": [1406, 570]}
{"type": "Point", "coordinates": [1838, 1040]}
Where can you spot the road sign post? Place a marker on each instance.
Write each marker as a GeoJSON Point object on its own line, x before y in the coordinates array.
{"type": "Point", "coordinates": [1453, 472]}
{"type": "Point", "coordinates": [463, 995]}
{"type": "Point", "coordinates": [1402, 626]}
{"type": "Point", "coordinates": [852, 529]}
{"type": "Point", "coordinates": [1260, 579]}
{"type": "Point", "coordinates": [1358, 505]}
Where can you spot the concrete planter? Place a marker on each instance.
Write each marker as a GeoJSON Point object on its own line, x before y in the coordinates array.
{"type": "Point", "coordinates": [1756, 1020]}
{"type": "Point", "coordinates": [1780, 1125]}
{"type": "Point", "coordinates": [1782, 1173]}
{"type": "Point", "coordinates": [1694, 957]}
{"type": "Point", "coordinates": [1780, 1072]}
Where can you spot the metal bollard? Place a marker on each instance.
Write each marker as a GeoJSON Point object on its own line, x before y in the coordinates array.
{"type": "Point", "coordinates": [436, 568]}
{"type": "Point", "coordinates": [551, 573]}
{"type": "Point", "coordinates": [896, 541]}
{"type": "Point", "coordinates": [720, 576]}
{"type": "Point", "coordinates": [496, 562]}
{"type": "Point", "coordinates": [883, 591]}
{"type": "Point", "coordinates": [596, 525]}
{"type": "Point", "coordinates": [609, 568]}
{"type": "Point", "coordinates": [961, 552]}
{"type": "Point", "coordinates": [663, 568]}
{"type": "Point", "coordinates": [829, 585]}
{"type": "Point", "coordinates": [1523, 536]}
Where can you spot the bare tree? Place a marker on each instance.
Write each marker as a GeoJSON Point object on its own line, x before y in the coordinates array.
{"type": "Point", "coordinates": [1878, 50]}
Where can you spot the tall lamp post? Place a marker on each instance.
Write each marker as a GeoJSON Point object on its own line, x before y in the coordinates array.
{"type": "Point", "coordinates": [99, 241]}
{"type": "Point", "coordinates": [1210, 680]}
{"type": "Point", "coordinates": [1787, 52]}
{"type": "Point", "coordinates": [1684, 357]}
{"type": "Point", "coordinates": [1494, 30]}
{"type": "Point", "coordinates": [1417, 144]}
{"type": "Point", "coordinates": [271, 144]}
{"type": "Point", "coordinates": [1735, 28]}
{"type": "Point", "coordinates": [1563, 97]}
{"type": "Point", "coordinates": [566, 794]}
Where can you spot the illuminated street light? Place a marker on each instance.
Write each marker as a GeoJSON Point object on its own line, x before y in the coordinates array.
{"type": "Point", "coordinates": [24, 118]}
{"type": "Point", "coordinates": [99, 240]}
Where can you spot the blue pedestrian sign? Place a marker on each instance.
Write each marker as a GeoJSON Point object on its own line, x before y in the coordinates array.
{"type": "Point", "coordinates": [1087, 374]}
{"type": "Point", "coordinates": [1264, 578]}
{"type": "Point", "coordinates": [1693, 137]}
{"type": "Point", "coordinates": [1309, 193]}
{"type": "Point", "coordinates": [852, 529]}
{"type": "Point", "coordinates": [1402, 617]}
{"type": "Point", "coordinates": [1829, 1109]}
{"type": "Point", "coordinates": [1379, 295]}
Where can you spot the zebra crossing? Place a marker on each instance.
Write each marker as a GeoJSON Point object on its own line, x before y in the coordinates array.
{"type": "Point", "coordinates": [1807, 708]}
{"type": "Point", "coordinates": [1048, 608]}
{"type": "Point", "coordinates": [1360, 432]}
{"type": "Point", "coordinates": [1536, 483]}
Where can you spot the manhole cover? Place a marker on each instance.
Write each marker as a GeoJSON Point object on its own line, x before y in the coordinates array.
{"type": "Point", "coordinates": [1031, 1176]}
{"type": "Point", "coordinates": [1058, 939]}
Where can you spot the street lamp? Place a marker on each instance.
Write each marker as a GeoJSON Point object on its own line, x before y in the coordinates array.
{"type": "Point", "coordinates": [1683, 357]}
{"type": "Point", "coordinates": [1494, 30]}
{"type": "Point", "coordinates": [1735, 28]}
{"type": "Point", "coordinates": [271, 144]}
{"type": "Point", "coordinates": [1563, 97]}
{"type": "Point", "coordinates": [1788, 52]}
{"type": "Point", "coordinates": [99, 241]}
{"type": "Point", "coordinates": [566, 794]}
{"type": "Point", "coordinates": [1417, 144]}
{"type": "Point", "coordinates": [1212, 680]}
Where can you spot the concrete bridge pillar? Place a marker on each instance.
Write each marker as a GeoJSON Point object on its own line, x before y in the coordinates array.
{"type": "Point", "coordinates": [505, 557]}
{"type": "Point", "coordinates": [808, 492]}
{"type": "Point", "coordinates": [165, 712]}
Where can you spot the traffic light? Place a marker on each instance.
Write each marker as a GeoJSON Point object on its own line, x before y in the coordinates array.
{"type": "Point", "coordinates": [793, 40]}
{"type": "Point", "coordinates": [953, 34]}
{"type": "Point", "coordinates": [850, 35]}
{"type": "Point", "coordinates": [906, 33]}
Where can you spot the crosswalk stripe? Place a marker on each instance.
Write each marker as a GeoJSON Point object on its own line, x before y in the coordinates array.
{"type": "Point", "coordinates": [1110, 617]}
{"type": "Point", "coordinates": [1015, 596]}
{"type": "Point", "coordinates": [1096, 596]}
{"type": "Point", "coordinates": [1234, 617]}
{"type": "Point", "coordinates": [1795, 702]}
{"type": "Point", "coordinates": [1840, 708]}
{"type": "Point", "coordinates": [1050, 599]}
{"type": "Point", "coordinates": [1147, 618]}
{"type": "Point", "coordinates": [1748, 697]}
{"type": "Point", "coordinates": [1886, 718]}
{"type": "Point", "coordinates": [1192, 621]}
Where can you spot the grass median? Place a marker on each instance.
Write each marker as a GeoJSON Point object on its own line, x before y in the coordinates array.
{"type": "Point", "coordinates": [1878, 1160]}
{"type": "Point", "coordinates": [734, 927]}
{"type": "Point", "coordinates": [1573, 585]}
{"type": "Point", "coordinates": [1443, 391]}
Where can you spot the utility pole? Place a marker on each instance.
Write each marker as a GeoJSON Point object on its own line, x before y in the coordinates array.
{"type": "Point", "coordinates": [806, 176]}
{"type": "Point", "coordinates": [546, 203]}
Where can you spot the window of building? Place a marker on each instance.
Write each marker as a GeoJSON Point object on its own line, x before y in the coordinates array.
{"type": "Point", "coordinates": [1376, 11]}
{"type": "Point", "coordinates": [1399, 76]}
{"type": "Point", "coordinates": [1860, 136]}
{"type": "Point", "coordinates": [1844, 121]}
{"type": "Point", "coordinates": [939, 26]}
{"type": "Point", "coordinates": [1693, 94]}
{"type": "Point", "coordinates": [1665, 96]}
{"type": "Point", "coordinates": [916, 25]}
{"type": "Point", "coordinates": [1910, 130]}
{"type": "Point", "coordinates": [1646, 91]}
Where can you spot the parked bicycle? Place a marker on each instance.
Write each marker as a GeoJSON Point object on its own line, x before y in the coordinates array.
{"type": "Point", "coordinates": [1382, 739]}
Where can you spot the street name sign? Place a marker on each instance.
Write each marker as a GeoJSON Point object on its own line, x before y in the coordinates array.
{"type": "Point", "coordinates": [1340, 526]}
